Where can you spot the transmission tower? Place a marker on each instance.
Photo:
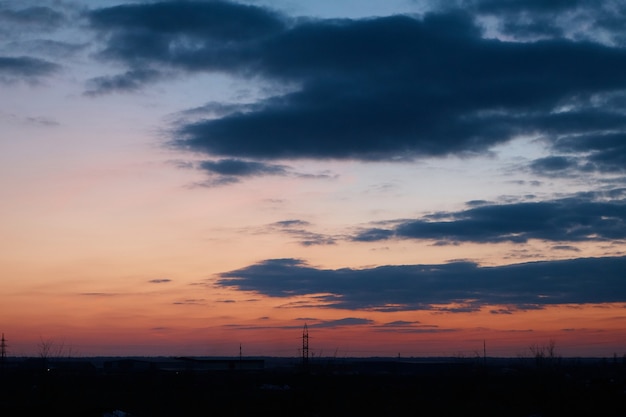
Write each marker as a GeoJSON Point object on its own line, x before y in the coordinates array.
{"type": "Point", "coordinates": [305, 346]}
{"type": "Point", "coordinates": [3, 349]}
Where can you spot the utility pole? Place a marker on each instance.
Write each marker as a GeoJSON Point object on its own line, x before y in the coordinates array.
{"type": "Point", "coordinates": [305, 347]}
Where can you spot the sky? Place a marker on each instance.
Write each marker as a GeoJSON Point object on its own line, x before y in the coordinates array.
{"type": "Point", "coordinates": [405, 177]}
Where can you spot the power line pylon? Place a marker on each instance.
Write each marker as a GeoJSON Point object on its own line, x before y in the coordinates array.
{"type": "Point", "coordinates": [3, 350]}
{"type": "Point", "coordinates": [305, 346]}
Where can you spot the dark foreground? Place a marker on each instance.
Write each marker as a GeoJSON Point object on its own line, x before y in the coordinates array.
{"type": "Point", "coordinates": [383, 388]}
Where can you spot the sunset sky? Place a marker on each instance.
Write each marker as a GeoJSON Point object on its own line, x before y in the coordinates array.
{"type": "Point", "coordinates": [406, 177]}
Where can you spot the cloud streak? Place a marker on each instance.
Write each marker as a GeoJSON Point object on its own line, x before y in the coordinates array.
{"type": "Point", "coordinates": [160, 281]}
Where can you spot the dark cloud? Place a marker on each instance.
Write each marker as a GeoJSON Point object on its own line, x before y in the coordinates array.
{"type": "Point", "coordinates": [389, 88]}
{"type": "Point", "coordinates": [192, 35]}
{"type": "Point", "coordinates": [576, 219]}
{"type": "Point", "coordinates": [602, 152]}
{"type": "Point", "coordinates": [475, 203]}
{"type": "Point", "coordinates": [231, 171]}
{"type": "Point", "coordinates": [556, 166]}
{"type": "Point", "coordinates": [160, 329]}
{"type": "Point", "coordinates": [99, 294]}
{"type": "Point", "coordinates": [507, 6]}
{"type": "Point", "coordinates": [374, 235]}
{"type": "Point", "coordinates": [536, 19]}
{"type": "Point", "coordinates": [454, 287]}
{"type": "Point", "coordinates": [241, 168]}
{"type": "Point", "coordinates": [160, 281]}
{"type": "Point", "coordinates": [25, 68]}
{"type": "Point", "coordinates": [566, 248]}
{"type": "Point", "coordinates": [501, 311]}
{"type": "Point", "coordinates": [553, 164]}
{"type": "Point", "coordinates": [217, 20]}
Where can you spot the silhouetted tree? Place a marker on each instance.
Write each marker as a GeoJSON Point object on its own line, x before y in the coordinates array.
{"type": "Point", "coordinates": [545, 355]}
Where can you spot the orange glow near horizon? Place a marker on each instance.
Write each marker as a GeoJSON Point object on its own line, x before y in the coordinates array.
{"type": "Point", "coordinates": [100, 324]}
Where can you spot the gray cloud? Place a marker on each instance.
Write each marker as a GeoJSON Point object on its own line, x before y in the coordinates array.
{"type": "Point", "coordinates": [454, 287]}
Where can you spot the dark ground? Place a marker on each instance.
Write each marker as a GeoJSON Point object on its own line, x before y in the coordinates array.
{"type": "Point", "coordinates": [383, 388]}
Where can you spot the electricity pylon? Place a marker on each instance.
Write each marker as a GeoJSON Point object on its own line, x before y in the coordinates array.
{"type": "Point", "coordinates": [305, 346]}
{"type": "Point", "coordinates": [3, 349]}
